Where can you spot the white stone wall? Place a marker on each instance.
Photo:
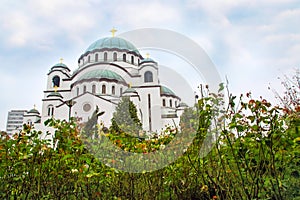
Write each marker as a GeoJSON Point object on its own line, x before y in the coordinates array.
{"type": "Point", "coordinates": [103, 105]}
{"type": "Point", "coordinates": [133, 74]}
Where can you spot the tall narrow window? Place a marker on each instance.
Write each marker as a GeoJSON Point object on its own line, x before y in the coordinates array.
{"type": "Point", "coordinates": [164, 102]}
{"type": "Point", "coordinates": [149, 112]}
{"type": "Point", "coordinates": [96, 57]}
{"type": "Point", "coordinates": [50, 110]}
{"type": "Point", "coordinates": [56, 81]}
{"type": "Point", "coordinates": [77, 91]}
{"type": "Point", "coordinates": [105, 56]}
{"type": "Point", "coordinates": [94, 89]}
{"type": "Point", "coordinates": [176, 104]}
{"type": "Point", "coordinates": [171, 103]}
{"type": "Point", "coordinates": [132, 60]}
{"type": "Point", "coordinates": [148, 77]}
{"type": "Point", "coordinates": [113, 90]}
{"type": "Point", "coordinates": [103, 89]}
{"type": "Point", "coordinates": [121, 91]}
{"type": "Point", "coordinates": [84, 89]}
{"type": "Point", "coordinates": [124, 57]}
{"type": "Point", "coordinates": [115, 56]}
{"type": "Point", "coordinates": [89, 59]}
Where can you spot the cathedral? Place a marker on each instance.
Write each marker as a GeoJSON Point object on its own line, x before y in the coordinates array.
{"type": "Point", "coordinates": [109, 69]}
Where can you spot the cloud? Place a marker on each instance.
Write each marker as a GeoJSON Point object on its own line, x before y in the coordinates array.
{"type": "Point", "coordinates": [251, 41]}
{"type": "Point", "coordinates": [289, 14]}
{"type": "Point", "coordinates": [38, 23]}
{"type": "Point", "coordinates": [8, 79]}
{"type": "Point", "coordinates": [18, 25]}
{"type": "Point", "coordinates": [143, 14]}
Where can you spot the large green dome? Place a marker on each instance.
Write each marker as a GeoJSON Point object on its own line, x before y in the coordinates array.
{"type": "Point", "coordinates": [111, 43]}
{"type": "Point", "coordinates": [102, 74]}
{"type": "Point", "coordinates": [166, 91]}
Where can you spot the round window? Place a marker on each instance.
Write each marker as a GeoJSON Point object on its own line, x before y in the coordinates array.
{"type": "Point", "coordinates": [87, 107]}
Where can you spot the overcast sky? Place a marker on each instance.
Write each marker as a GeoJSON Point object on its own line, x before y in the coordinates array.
{"type": "Point", "coordinates": [252, 42]}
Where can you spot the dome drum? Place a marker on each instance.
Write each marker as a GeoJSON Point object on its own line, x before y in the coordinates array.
{"type": "Point", "coordinates": [109, 44]}
{"type": "Point", "coordinates": [108, 57]}
{"type": "Point", "coordinates": [100, 75]}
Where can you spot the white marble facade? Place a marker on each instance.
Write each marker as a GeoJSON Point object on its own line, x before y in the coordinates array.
{"type": "Point", "coordinates": [110, 68]}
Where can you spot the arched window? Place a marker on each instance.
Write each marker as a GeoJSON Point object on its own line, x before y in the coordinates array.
{"type": "Point", "coordinates": [77, 92]}
{"type": "Point", "coordinates": [50, 110]}
{"type": "Point", "coordinates": [89, 59]}
{"type": "Point", "coordinates": [105, 56]}
{"type": "Point", "coordinates": [148, 77]}
{"type": "Point", "coordinates": [121, 91]}
{"type": "Point", "coordinates": [164, 102]}
{"type": "Point", "coordinates": [132, 60]}
{"type": "Point", "coordinates": [94, 89]}
{"type": "Point", "coordinates": [103, 89]}
{"type": "Point", "coordinates": [138, 61]}
{"type": "Point", "coordinates": [115, 56]}
{"type": "Point", "coordinates": [124, 57]}
{"type": "Point", "coordinates": [171, 103]}
{"type": "Point", "coordinates": [96, 57]}
{"type": "Point", "coordinates": [29, 122]}
{"type": "Point", "coordinates": [84, 89]}
{"type": "Point", "coordinates": [113, 90]}
{"type": "Point", "coordinates": [176, 104]}
{"type": "Point", "coordinates": [56, 81]}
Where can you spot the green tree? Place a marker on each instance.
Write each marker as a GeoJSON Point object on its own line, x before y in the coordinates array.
{"type": "Point", "coordinates": [188, 120]}
{"type": "Point", "coordinates": [125, 118]}
{"type": "Point", "coordinates": [290, 101]}
{"type": "Point", "coordinates": [90, 128]}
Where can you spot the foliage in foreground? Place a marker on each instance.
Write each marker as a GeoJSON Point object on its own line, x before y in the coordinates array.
{"type": "Point", "coordinates": [256, 156]}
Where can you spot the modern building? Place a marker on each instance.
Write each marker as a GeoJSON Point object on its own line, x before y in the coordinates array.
{"type": "Point", "coordinates": [108, 69]}
{"type": "Point", "coordinates": [15, 121]}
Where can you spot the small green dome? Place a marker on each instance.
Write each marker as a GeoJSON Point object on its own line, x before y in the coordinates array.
{"type": "Point", "coordinates": [33, 111]}
{"type": "Point", "coordinates": [54, 94]}
{"type": "Point", "coordinates": [182, 104]}
{"type": "Point", "coordinates": [147, 60]}
{"type": "Point", "coordinates": [112, 42]}
{"type": "Point", "coordinates": [166, 91]}
{"type": "Point", "coordinates": [129, 90]}
{"type": "Point", "coordinates": [60, 65]}
{"type": "Point", "coordinates": [99, 74]}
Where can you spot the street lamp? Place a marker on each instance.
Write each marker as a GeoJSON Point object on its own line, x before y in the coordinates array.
{"type": "Point", "coordinates": [70, 103]}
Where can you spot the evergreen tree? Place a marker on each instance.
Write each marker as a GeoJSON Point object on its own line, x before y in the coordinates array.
{"type": "Point", "coordinates": [90, 128]}
{"type": "Point", "coordinates": [125, 118]}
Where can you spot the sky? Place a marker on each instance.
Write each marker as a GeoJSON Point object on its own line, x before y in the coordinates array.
{"type": "Point", "coordinates": [251, 42]}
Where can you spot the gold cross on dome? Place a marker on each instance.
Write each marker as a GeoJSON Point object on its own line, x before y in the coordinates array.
{"type": "Point", "coordinates": [147, 55]}
{"type": "Point", "coordinates": [61, 60]}
{"type": "Point", "coordinates": [34, 106]}
{"type": "Point", "coordinates": [113, 31]}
